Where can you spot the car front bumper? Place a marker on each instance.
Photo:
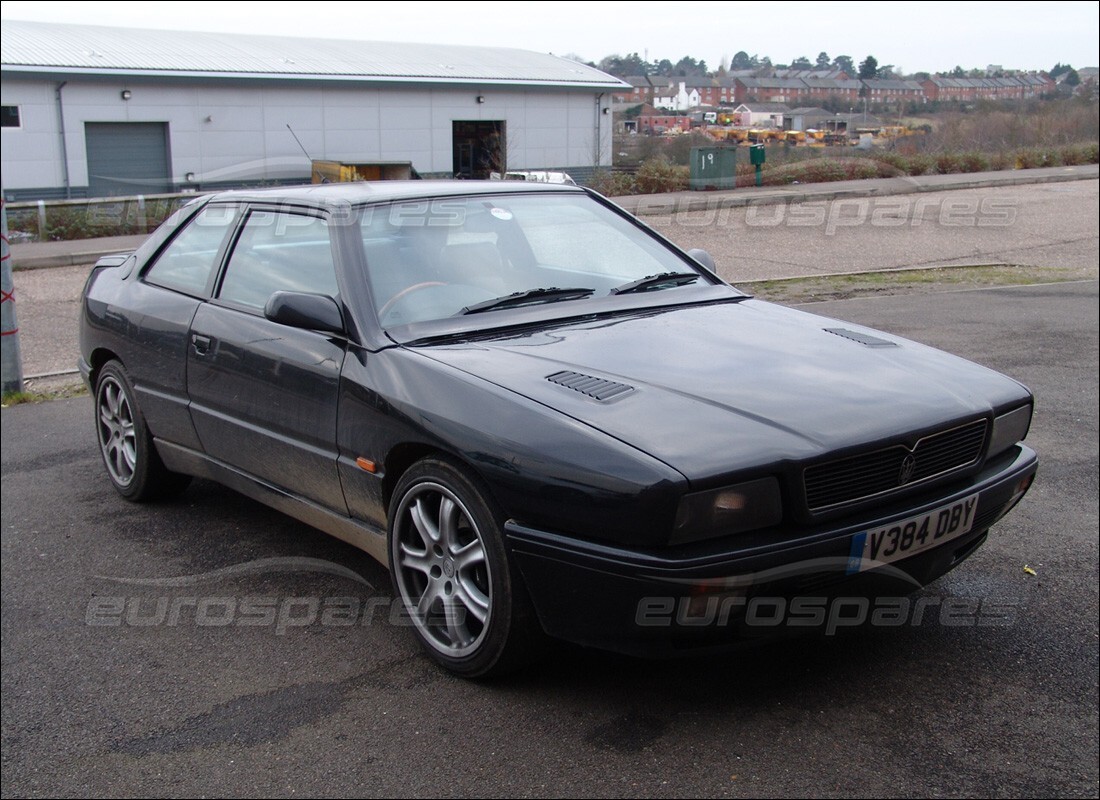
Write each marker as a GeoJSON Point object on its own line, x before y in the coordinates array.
{"type": "Point", "coordinates": [664, 603]}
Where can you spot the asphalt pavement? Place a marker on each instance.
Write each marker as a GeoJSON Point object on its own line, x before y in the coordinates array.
{"type": "Point", "coordinates": [207, 646]}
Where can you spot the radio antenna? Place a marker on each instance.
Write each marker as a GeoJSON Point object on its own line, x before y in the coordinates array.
{"type": "Point", "coordinates": [306, 153]}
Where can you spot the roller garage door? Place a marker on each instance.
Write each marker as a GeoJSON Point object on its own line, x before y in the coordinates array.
{"type": "Point", "coordinates": [127, 158]}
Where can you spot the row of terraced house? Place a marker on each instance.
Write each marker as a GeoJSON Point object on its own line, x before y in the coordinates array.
{"type": "Point", "coordinates": [810, 86]}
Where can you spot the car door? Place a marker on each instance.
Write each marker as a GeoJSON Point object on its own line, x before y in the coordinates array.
{"type": "Point", "coordinates": [154, 314]}
{"type": "Point", "coordinates": [264, 395]}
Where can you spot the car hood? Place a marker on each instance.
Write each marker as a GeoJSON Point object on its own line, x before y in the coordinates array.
{"type": "Point", "coordinates": [718, 389]}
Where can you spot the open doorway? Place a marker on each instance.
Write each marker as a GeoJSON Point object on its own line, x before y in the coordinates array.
{"type": "Point", "coordinates": [478, 148]}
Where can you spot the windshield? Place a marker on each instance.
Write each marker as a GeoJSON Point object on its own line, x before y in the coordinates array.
{"type": "Point", "coordinates": [433, 259]}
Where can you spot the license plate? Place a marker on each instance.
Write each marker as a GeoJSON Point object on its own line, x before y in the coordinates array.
{"type": "Point", "coordinates": [907, 537]}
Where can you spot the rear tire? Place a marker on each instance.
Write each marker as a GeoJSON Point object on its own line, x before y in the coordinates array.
{"type": "Point", "coordinates": [131, 459]}
{"type": "Point", "coordinates": [450, 567]}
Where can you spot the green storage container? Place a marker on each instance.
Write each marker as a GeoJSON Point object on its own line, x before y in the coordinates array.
{"type": "Point", "coordinates": [713, 168]}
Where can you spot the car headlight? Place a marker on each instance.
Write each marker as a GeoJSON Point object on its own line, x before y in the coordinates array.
{"type": "Point", "coordinates": [731, 509]}
{"type": "Point", "coordinates": [1008, 429]}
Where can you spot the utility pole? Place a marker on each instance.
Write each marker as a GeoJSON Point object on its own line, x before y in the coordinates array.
{"type": "Point", "coordinates": [11, 363]}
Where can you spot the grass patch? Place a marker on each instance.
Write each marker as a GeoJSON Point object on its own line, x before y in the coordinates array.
{"type": "Point", "coordinates": [44, 394]}
{"type": "Point", "coordinates": [923, 281]}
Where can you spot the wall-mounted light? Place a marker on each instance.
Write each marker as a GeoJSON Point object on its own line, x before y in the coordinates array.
{"type": "Point", "coordinates": [481, 98]}
{"type": "Point", "coordinates": [189, 177]}
{"type": "Point", "coordinates": [209, 118]}
{"type": "Point", "coordinates": [607, 111]}
{"type": "Point", "coordinates": [126, 94]}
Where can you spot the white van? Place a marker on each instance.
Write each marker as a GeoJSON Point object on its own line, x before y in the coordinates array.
{"type": "Point", "coordinates": [538, 176]}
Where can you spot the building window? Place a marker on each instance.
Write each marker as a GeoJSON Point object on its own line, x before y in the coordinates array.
{"type": "Point", "coordinates": [9, 117]}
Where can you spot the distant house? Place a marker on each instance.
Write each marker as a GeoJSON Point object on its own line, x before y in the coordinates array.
{"type": "Point", "coordinates": [1089, 84]}
{"type": "Point", "coordinates": [844, 89]}
{"type": "Point", "coordinates": [1019, 87]}
{"type": "Point", "coordinates": [812, 86]}
{"type": "Point", "coordinates": [657, 122]}
{"type": "Point", "coordinates": [880, 90]}
{"type": "Point", "coordinates": [805, 118]}
{"type": "Point", "coordinates": [709, 90]}
{"type": "Point", "coordinates": [640, 91]}
{"type": "Point", "coordinates": [761, 115]}
{"type": "Point", "coordinates": [771, 90]}
{"type": "Point", "coordinates": [676, 97]}
{"type": "Point", "coordinates": [677, 93]}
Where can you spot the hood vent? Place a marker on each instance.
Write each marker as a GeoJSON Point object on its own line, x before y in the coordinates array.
{"type": "Point", "coordinates": [596, 388]}
{"type": "Point", "coordinates": [862, 338]}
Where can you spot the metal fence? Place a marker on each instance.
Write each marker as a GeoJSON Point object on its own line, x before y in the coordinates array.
{"type": "Point", "coordinates": [52, 220]}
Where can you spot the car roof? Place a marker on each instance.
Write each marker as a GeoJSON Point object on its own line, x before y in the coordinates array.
{"type": "Point", "coordinates": [326, 194]}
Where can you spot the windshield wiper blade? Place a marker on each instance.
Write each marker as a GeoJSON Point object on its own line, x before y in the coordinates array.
{"type": "Point", "coordinates": [662, 280]}
{"type": "Point", "coordinates": [550, 294]}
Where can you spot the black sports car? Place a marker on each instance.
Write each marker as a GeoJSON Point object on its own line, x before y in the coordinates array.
{"type": "Point", "coordinates": [541, 415]}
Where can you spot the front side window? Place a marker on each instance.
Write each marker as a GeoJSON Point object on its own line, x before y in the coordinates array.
{"type": "Point", "coordinates": [9, 117]}
{"type": "Point", "coordinates": [187, 263]}
{"type": "Point", "coordinates": [278, 251]}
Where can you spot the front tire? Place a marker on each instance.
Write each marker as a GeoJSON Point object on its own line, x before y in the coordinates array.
{"type": "Point", "coordinates": [451, 570]}
{"type": "Point", "coordinates": [131, 459]}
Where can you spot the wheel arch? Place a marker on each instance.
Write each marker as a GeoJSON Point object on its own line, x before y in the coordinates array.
{"type": "Point", "coordinates": [403, 456]}
{"type": "Point", "coordinates": [97, 359]}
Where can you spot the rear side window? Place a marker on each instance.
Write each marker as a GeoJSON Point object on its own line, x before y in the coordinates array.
{"type": "Point", "coordinates": [186, 264]}
{"type": "Point", "coordinates": [279, 251]}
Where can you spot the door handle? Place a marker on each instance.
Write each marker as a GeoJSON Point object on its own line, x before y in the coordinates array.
{"type": "Point", "coordinates": [201, 344]}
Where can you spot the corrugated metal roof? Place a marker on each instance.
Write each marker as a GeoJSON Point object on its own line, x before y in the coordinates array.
{"type": "Point", "coordinates": [92, 49]}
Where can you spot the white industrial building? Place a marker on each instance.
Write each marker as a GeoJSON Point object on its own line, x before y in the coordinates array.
{"type": "Point", "coordinates": [95, 111]}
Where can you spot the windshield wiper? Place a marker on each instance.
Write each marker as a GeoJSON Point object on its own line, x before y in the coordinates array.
{"type": "Point", "coordinates": [551, 294]}
{"type": "Point", "coordinates": [662, 280]}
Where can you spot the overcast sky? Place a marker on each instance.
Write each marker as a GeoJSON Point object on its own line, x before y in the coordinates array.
{"type": "Point", "coordinates": [930, 36]}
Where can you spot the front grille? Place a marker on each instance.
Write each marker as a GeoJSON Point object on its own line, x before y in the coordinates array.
{"type": "Point", "coordinates": [866, 475]}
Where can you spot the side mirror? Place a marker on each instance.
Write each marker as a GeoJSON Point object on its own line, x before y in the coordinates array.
{"type": "Point", "coordinates": [704, 258]}
{"type": "Point", "coordinates": [313, 312]}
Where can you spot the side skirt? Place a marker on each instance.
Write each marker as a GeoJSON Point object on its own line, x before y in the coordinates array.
{"type": "Point", "coordinates": [366, 537]}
